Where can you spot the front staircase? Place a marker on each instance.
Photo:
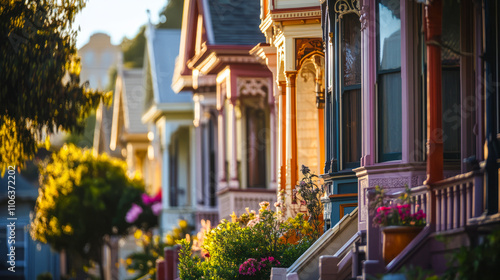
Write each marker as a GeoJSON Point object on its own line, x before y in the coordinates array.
{"type": "Point", "coordinates": [455, 218]}
{"type": "Point", "coordinates": [336, 241]}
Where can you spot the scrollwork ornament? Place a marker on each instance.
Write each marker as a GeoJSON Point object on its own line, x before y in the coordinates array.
{"type": "Point", "coordinates": [343, 7]}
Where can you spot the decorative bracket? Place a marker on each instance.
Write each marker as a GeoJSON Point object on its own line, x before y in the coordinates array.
{"type": "Point", "coordinates": [344, 7]}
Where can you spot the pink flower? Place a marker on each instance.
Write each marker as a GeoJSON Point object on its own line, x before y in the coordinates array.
{"type": "Point", "coordinates": [133, 213]}
{"type": "Point", "coordinates": [156, 208]}
{"type": "Point", "coordinates": [148, 200]}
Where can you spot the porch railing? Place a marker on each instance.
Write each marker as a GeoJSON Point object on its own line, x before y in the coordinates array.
{"type": "Point", "coordinates": [450, 203]}
{"type": "Point", "coordinates": [455, 200]}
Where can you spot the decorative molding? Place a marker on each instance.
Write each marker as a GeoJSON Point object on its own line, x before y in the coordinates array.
{"type": "Point", "coordinates": [253, 86]}
{"type": "Point", "coordinates": [295, 15]}
{"type": "Point", "coordinates": [304, 47]}
{"type": "Point", "coordinates": [363, 202]}
{"type": "Point", "coordinates": [344, 7]}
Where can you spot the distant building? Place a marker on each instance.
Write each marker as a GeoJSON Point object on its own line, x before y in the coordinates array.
{"type": "Point", "coordinates": [98, 57]}
{"type": "Point", "coordinates": [169, 118]}
{"type": "Point", "coordinates": [234, 114]}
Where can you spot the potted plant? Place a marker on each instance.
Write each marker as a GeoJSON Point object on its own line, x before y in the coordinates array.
{"type": "Point", "coordinates": [399, 225]}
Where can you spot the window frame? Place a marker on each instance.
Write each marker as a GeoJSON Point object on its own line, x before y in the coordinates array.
{"type": "Point", "coordinates": [341, 90]}
{"type": "Point", "coordinates": [385, 157]}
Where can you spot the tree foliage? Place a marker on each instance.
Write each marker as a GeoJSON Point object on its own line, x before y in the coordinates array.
{"type": "Point", "coordinates": [82, 200]}
{"type": "Point", "coordinates": [40, 90]}
{"type": "Point", "coordinates": [173, 15]}
{"type": "Point", "coordinates": [133, 49]}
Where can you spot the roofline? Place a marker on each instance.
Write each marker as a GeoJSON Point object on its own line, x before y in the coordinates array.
{"type": "Point", "coordinates": [208, 22]}
{"type": "Point", "coordinates": [152, 63]}
{"type": "Point", "coordinates": [181, 83]}
{"type": "Point", "coordinates": [210, 56]}
{"type": "Point", "coordinates": [116, 105]}
{"type": "Point", "coordinates": [158, 110]}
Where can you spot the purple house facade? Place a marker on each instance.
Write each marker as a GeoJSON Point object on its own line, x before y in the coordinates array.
{"type": "Point", "coordinates": [412, 98]}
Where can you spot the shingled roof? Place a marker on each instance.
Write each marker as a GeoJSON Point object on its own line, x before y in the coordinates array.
{"type": "Point", "coordinates": [133, 99]}
{"type": "Point", "coordinates": [163, 48]}
{"type": "Point", "coordinates": [234, 22]}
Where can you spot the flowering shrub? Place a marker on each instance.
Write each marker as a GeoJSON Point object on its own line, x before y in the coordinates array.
{"type": "Point", "coordinates": [144, 212]}
{"type": "Point", "coordinates": [311, 194]}
{"type": "Point", "coordinates": [254, 268]}
{"type": "Point", "coordinates": [396, 212]}
{"type": "Point", "coordinates": [229, 248]}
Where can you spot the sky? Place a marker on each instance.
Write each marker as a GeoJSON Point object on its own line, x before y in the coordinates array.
{"type": "Point", "coordinates": [117, 18]}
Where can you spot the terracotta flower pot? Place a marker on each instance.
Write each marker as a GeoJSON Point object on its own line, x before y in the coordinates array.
{"type": "Point", "coordinates": [396, 238]}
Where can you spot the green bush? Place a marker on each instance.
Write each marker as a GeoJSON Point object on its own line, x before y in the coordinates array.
{"type": "Point", "coordinates": [476, 262]}
{"type": "Point", "coordinates": [264, 237]}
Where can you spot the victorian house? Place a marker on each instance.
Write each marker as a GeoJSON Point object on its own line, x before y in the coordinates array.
{"type": "Point", "coordinates": [234, 114]}
{"type": "Point", "coordinates": [421, 87]}
{"type": "Point", "coordinates": [168, 116]}
{"type": "Point", "coordinates": [294, 52]}
{"type": "Point", "coordinates": [411, 98]}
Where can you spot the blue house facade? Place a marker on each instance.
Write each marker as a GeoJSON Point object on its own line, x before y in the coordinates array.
{"type": "Point", "coordinates": [32, 258]}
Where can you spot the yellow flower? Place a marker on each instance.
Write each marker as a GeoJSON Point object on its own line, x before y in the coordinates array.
{"type": "Point", "coordinates": [169, 239]}
{"type": "Point", "coordinates": [183, 224]}
{"type": "Point", "coordinates": [177, 232]}
{"type": "Point", "coordinates": [138, 234]}
{"type": "Point", "coordinates": [131, 271]}
{"type": "Point", "coordinates": [233, 217]}
{"type": "Point", "coordinates": [128, 261]}
{"type": "Point", "coordinates": [68, 229]}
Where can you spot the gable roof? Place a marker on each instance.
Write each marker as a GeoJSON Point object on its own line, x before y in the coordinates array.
{"type": "Point", "coordinates": [133, 100]}
{"type": "Point", "coordinates": [128, 104]}
{"type": "Point", "coordinates": [230, 26]}
{"type": "Point", "coordinates": [233, 22]}
{"type": "Point", "coordinates": [162, 49]}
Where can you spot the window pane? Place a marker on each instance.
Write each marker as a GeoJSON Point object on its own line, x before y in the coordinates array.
{"type": "Point", "coordinates": [451, 81]}
{"type": "Point", "coordinates": [451, 112]}
{"type": "Point", "coordinates": [256, 147]}
{"type": "Point", "coordinates": [389, 116]}
{"type": "Point", "coordinates": [351, 50]}
{"type": "Point", "coordinates": [351, 128]}
{"type": "Point", "coordinates": [389, 32]}
{"type": "Point", "coordinates": [451, 33]}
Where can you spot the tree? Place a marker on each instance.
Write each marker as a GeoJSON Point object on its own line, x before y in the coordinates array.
{"type": "Point", "coordinates": [172, 14]}
{"type": "Point", "coordinates": [83, 199]}
{"type": "Point", "coordinates": [133, 49]}
{"type": "Point", "coordinates": [40, 90]}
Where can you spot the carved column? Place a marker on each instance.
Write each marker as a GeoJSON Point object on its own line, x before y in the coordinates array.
{"type": "Point", "coordinates": [433, 20]}
{"type": "Point", "coordinates": [282, 128]}
{"type": "Point", "coordinates": [233, 161]}
{"type": "Point", "coordinates": [291, 77]}
{"type": "Point", "coordinates": [221, 139]}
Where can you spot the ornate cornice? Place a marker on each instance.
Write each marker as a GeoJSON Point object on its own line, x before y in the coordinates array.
{"type": "Point", "coordinates": [252, 86]}
{"type": "Point", "coordinates": [295, 15]}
